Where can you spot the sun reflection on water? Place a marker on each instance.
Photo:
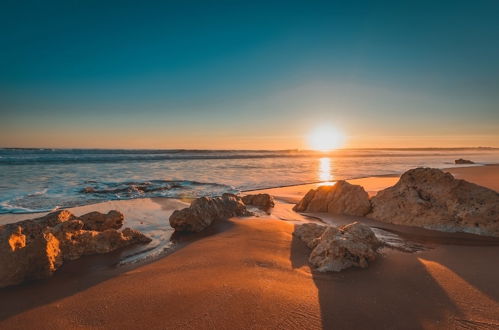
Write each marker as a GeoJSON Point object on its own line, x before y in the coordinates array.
{"type": "Point", "coordinates": [324, 171]}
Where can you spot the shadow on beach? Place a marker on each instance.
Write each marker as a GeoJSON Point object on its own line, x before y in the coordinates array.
{"type": "Point", "coordinates": [403, 290]}
{"type": "Point", "coordinates": [79, 275]}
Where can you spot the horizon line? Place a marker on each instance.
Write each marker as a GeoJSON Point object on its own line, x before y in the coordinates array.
{"type": "Point", "coordinates": [291, 149]}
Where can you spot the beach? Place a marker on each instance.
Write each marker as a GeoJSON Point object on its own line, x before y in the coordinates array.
{"type": "Point", "coordinates": [253, 273]}
{"type": "Point", "coordinates": [249, 165]}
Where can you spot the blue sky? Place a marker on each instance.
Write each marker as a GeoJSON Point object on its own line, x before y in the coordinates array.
{"type": "Point", "coordinates": [234, 74]}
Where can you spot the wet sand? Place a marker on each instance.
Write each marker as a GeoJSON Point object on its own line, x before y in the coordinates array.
{"type": "Point", "coordinates": [252, 273]}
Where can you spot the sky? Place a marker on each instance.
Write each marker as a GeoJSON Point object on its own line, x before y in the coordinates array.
{"type": "Point", "coordinates": [248, 74]}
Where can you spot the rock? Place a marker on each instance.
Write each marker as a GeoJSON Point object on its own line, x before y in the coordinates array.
{"type": "Point", "coordinates": [75, 242]}
{"type": "Point", "coordinates": [26, 255]}
{"type": "Point", "coordinates": [340, 248]}
{"type": "Point", "coordinates": [463, 161]}
{"type": "Point", "coordinates": [263, 201]}
{"type": "Point", "coordinates": [431, 198]}
{"type": "Point", "coordinates": [204, 210]}
{"type": "Point", "coordinates": [309, 233]}
{"type": "Point", "coordinates": [36, 248]}
{"type": "Point", "coordinates": [340, 198]}
{"type": "Point", "coordinates": [100, 221]}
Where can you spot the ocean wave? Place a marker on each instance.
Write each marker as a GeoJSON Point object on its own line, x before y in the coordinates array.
{"type": "Point", "coordinates": [92, 191]}
{"type": "Point", "coordinates": [6, 207]}
{"type": "Point", "coordinates": [72, 156]}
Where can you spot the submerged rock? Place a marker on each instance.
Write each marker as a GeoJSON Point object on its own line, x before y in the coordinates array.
{"type": "Point", "coordinates": [433, 199]}
{"type": "Point", "coordinates": [340, 198]}
{"type": "Point", "coordinates": [335, 249]}
{"type": "Point", "coordinates": [36, 248]}
{"type": "Point", "coordinates": [463, 161]}
{"type": "Point", "coordinates": [204, 210]}
{"type": "Point", "coordinates": [263, 201]}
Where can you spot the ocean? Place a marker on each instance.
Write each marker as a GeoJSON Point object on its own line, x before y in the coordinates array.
{"type": "Point", "coordinates": [36, 180]}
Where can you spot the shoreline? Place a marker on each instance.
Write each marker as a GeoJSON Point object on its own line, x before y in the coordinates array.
{"type": "Point", "coordinates": [394, 175]}
{"type": "Point", "coordinates": [254, 269]}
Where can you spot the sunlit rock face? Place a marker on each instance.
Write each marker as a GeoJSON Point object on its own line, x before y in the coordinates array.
{"type": "Point", "coordinates": [204, 210]}
{"type": "Point", "coordinates": [335, 249]}
{"type": "Point", "coordinates": [340, 198]}
{"type": "Point", "coordinates": [433, 199]}
{"type": "Point", "coordinates": [35, 248]}
{"type": "Point", "coordinates": [264, 202]}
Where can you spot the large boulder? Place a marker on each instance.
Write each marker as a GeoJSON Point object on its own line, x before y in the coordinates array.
{"type": "Point", "coordinates": [431, 198]}
{"type": "Point", "coordinates": [204, 210]}
{"type": "Point", "coordinates": [340, 198]}
{"type": "Point", "coordinates": [36, 248]}
{"type": "Point", "coordinates": [335, 249]}
{"type": "Point", "coordinates": [263, 201]}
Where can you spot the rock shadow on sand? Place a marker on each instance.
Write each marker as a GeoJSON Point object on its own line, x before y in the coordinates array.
{"type": "Point", "coordinates": [395, 292]}
{"type": "Point", "coordinates": [79, 275]}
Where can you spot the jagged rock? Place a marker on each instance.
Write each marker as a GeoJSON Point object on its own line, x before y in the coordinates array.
{"type": "Point", "coordinates": [263, 201]}
{"type": "Point", "coordinates": [340, 198]}
{"type": "Point", "coordinates": [27, 255]}
{"type": "Point", "coordinates": [75, 242]}
{"type": "Point", "coordinates": [433, 199]}
{"type": "Point", "coordinates": [309, 233]}
{"type": "Point", "coordinates": [463, 161]}
{"type": "Point", "coordinates": [204, 210]}
{"type": "Point", "coordinates": [100, 221]}
{"type": "Point", "coordinates": [340, 248]}
{"type": "Point", "coordinates": [36, 248]}
{"type": "Point", "coordinates": [27, 252]}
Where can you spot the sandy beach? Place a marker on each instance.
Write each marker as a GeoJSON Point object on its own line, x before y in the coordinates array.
{"type": "Point", "coordinates": [253, 273]}
{"type": "Point", "coordinates": [249, 165]}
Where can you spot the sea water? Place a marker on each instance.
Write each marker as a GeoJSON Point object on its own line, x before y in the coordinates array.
{"type": "Point", "coordinates": [36, 180]}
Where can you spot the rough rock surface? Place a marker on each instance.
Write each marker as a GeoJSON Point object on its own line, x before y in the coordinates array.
{"type": "Point", "coordinates": [340, 198]}
{"type": "Point", "coordinates": [433, 199]}
{"type": "Point", "coordinates": [335, 249]}
{"type": "Point", "coordinates": [204, 210]}
{"type": "Point", "coordinates": [99, 221]}
{"type": "Point", "coordinates": [35, 248]}
{"type": "Point", "coordinates": [75, 242]}
{"type": "Point", "coordinates": [262, 201]}
{"type": "Point", "coordinates": [463, 161]}
{"type": "Point", "coordinates": [309, 233]}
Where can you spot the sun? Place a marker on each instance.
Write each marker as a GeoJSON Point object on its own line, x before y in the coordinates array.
{"type": "Point", "coordinates": [325, 138]}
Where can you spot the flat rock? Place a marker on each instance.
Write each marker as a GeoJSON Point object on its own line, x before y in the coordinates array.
{"type": "Point", "coordinates": [463, 161]}
{"type": "Point", "coordinates": [340, 198]}
{"type": "Point", "coordinates": [204, 210]}
{"type": "Point", "coordinates": [431, 198]}
{"type": "Point", "coordinates": [264, 202]}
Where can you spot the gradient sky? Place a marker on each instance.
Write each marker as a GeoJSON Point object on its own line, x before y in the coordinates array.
{"type": "Point", "coordinates": [248, 74]}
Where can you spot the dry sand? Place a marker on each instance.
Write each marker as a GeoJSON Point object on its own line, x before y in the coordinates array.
{"type": "Point", "coordinates": [252, 273]}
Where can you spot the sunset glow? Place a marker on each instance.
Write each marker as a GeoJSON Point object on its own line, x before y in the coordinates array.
{"type": "Point", "coordinates": [325, 138]}
{"type": "Point", "coordinates": [324, 172]}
